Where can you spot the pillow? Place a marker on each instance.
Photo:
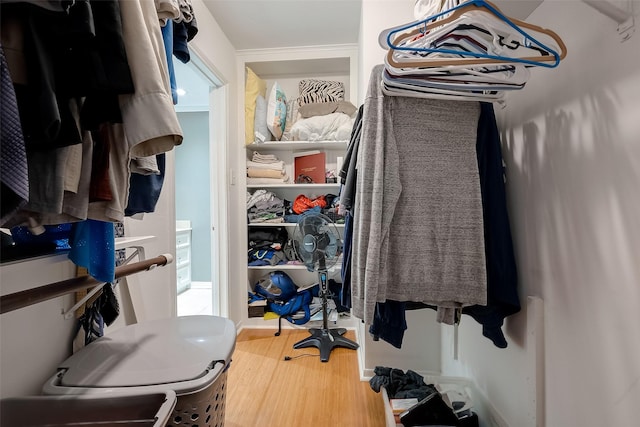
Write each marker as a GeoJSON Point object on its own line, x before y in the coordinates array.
{"type": "Point", "coordinates": [254, 86]}
{"type": "Point", "coordinates": [312, 90]}
{"type": "Point", "coordinates": [323, 108]}
{"type": "Point", "coordinates": [292, 114]}
{"type": "Point", "coordinates": [260, 129]}
{"type": "Point", "coordinates": [292, 117]}
{"type": "Point", "coordinates": [277, 111]}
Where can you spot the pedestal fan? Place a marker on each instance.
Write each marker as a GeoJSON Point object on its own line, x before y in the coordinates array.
{"type": "Point", "coordinates": [317, 243]}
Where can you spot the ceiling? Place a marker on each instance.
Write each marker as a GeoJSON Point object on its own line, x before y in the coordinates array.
{"type": "Point", "coordinates": [263, 24]}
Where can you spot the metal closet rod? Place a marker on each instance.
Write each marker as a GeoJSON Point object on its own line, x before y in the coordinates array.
{"type": "Point", "coordinates": [28, 297]}
{"type": "Point", "coordinates": [610, 10]}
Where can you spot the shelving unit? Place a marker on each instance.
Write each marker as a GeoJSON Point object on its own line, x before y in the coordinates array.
{"type": "Point", "coordinates": [288, 67]}
{"type": "Point", "coordinates": [289, 191]}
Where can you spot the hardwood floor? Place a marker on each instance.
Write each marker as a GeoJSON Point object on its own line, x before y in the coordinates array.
{"type": "Point", "coordinates": [265, 390]}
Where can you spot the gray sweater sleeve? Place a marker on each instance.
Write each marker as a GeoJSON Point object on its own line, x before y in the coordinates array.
{"type": "Point", "coordinates": [375, 201]}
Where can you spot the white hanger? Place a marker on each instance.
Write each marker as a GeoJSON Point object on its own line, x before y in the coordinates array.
{"type": "Point", "coordinates": [496, 32]}
{"type": "Point", "coordinates": [496, 19]}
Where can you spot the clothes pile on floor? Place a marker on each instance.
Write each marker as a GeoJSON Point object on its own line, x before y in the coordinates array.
{"type": "Point", "coordinates": [422, 404]}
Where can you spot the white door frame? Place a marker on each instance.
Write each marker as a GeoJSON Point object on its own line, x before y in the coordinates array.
{"type": "Point", "coordinates": [218, 99]}
{"type": "Point", "coordinates": [218, 161]}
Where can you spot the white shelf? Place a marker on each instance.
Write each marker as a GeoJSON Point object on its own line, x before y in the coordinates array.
{"type": "Point", "coordinates": [130, 242]}
{"type": "Point", "coordinates": [298, 186]}
{"type": "Point", "coordinates": [298, 145]}
{"type": "Point", "coordinates": [278, 267]}
{"type": "Point", "coordinates": [288, 267]}
{"type": "Point", "coordinates": [281, 224]}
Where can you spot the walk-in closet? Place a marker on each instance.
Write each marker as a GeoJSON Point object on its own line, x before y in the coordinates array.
{"type": "Point", "coordinates": [490, 239]}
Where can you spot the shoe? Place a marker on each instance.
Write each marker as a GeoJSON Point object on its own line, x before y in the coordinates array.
{"type": "Point", "coordinates": [430, 411]}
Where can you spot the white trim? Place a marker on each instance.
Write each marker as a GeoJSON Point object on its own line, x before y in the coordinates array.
{"type": "Point", "coordinates": [204, 67]}
{"type": "Point", "coordinates": [218, 125]}
{"type": "Point", "coordinates": [298, 52]}
{"type": "Point", "coordinates": [218, 137]}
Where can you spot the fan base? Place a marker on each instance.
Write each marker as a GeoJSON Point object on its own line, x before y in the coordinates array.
{"type": "Point", "coordinates": [326, 340]}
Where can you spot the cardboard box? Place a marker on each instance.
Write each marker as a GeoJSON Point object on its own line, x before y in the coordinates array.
{"type": "Point", "coordinates": [257, 308]}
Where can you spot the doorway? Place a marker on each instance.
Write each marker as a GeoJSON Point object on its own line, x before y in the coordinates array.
{"type": "Point", "coordinates": [200, 199]}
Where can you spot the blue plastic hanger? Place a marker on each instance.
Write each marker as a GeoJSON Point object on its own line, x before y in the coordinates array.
{"type": "Point", "coordinates": [496, 12]}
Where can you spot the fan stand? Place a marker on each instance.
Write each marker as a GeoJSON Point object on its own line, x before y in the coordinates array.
{"type": "Point", "coordinates": [325, 339]}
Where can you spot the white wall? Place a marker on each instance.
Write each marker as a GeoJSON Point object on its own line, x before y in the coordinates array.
{"type": "Point", "coordinates": [193, 189]}
{"type": "Point", "coordinates": [34, 339]}
{"type": "Point", "coordinates": [570, 142]}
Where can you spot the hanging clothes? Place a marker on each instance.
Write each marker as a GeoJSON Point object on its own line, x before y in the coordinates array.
{"type": "Point", "coordinates": [185, 29]}
{"type": "Point", "coordinates": [93, 92]}
{"type": "Point", "coordinates": [14, 180]}
{"type": "Point", "coordinates": [347, 176]}
{"type": "Point", "coordinates": [145, 190]}
{"type": "Point", "coordinates": [418, 230]}
{"type": "Point", "coordinates": [389, 321]}
{"type": "Point", "coordinates": [150, 122]}
{"type": "Point", "coordinates": [502, 276]}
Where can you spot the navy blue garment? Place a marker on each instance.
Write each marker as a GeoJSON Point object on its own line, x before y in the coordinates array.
{"type": "Point", "coordinates": [345, 271]}
{"type": "Point", "coordinates": [294, 218]}
{"type": "Point", "coordinates": [144, 190]}
{"type": "Point", "coordinates": [389, 322]}
{"type": "Point", "coordinates": [180, 46]}
{"type": "Point", "coordinates": [167, 38]}
{"type": "Point", "coordinates": [502, 278]}
{"type": "Point", "coordinates": [192, 29]}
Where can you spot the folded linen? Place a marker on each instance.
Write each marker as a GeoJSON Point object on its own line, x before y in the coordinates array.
{"type": "Point", "coordinates": [258, 165]}
{"type": "Point", "coordinates": [264, 158]}
{"type": "Point", "coordinates": [267, 181]}
{"type": "Point", "coordinates": [264, 173]}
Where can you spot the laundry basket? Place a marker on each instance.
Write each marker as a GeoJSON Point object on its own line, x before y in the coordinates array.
{"type": "Point", "coordinates": [189, 355]}
{"type": "Point", "coordinates": [144, 410]}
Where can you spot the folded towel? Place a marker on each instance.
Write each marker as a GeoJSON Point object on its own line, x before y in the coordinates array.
{"type": "Point", "coordinates": [257, 165]}
{"type": "Point", "coordinates": [264, 173]}
{"type": "Point", "coordinates": [267, 181]}
{"type": "Point", "coordinates": [264, 158]}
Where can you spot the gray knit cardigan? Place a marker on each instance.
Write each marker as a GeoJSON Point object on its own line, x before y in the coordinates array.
{"type": "Point", "coordinates": [418, 228]}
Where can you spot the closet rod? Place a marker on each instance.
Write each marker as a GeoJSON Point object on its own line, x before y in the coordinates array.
{"type": "Point", "coordinates": [28, 297]}
{"type": "Point", "coordinates": [610, 10]}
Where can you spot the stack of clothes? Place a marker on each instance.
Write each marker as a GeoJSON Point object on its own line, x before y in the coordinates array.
{"type": "Point", "coordinates": [265, 169]}
{"type": "Point", "coordinates": [268, 246]}
{"type": "Point", "coordinates": [265, 206]}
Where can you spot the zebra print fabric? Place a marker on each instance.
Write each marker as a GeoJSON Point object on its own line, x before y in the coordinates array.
{"type": "Point", "coordinates": [312, 90]}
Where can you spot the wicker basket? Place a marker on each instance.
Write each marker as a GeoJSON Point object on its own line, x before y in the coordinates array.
{"type": "Point", "coordinates": [204, 408]}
